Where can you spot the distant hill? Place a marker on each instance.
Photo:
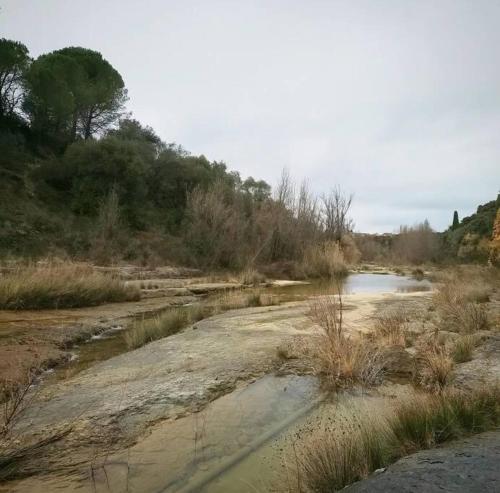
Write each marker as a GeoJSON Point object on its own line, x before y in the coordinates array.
{"type": "Point", "coordinates": [470, 238]}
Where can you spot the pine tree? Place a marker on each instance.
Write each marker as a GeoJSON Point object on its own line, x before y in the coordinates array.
{"type": "Point", "coordinates": [456, 222]}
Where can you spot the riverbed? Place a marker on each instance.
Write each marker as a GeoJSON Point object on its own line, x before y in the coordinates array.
{"type": "Point", "coordinates": [112, 342]}
{"type": "Point", "coordinates": [197, 410]}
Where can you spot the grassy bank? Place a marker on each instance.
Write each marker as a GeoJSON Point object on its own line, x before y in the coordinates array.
{"type": "Point", "coordinates": [173, 321]}
{"type": "Point", "coordinates": [357, 441]}
{"type": "Point", "coordinates": [66, 285]}
{"type": "Point", "coordinates": [370, 441]}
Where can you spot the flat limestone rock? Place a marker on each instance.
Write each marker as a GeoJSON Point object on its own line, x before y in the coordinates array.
{"type": "Point", "coordinates": [211, 287]}
{"type": "Point", "coordinates": [285, 282]}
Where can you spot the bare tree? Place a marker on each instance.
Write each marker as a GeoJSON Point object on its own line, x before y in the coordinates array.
{"type": "Point", "coordinates": [307, 204]}
{"type": "Point", "coordinates": [308, 216]}
{"type": "Point", "coordinates": [335, 212]}
{"type": "Point", "coordinates": [416, 244]}
{"type": "Point", "coordinates": [285, 191]}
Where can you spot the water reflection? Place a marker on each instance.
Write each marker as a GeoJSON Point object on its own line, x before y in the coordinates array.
{"type": "Point", "coordinates": [389, 283]}
{"type": "Point", "coordinates": [355, 284]}
{"type": "Point", "coordinates": [113, 342]}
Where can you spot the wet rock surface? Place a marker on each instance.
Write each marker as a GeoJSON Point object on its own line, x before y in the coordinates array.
{"type": "Point", "coordinates": [471, 465]}
{"type": "Point", "coordinates": [113, 402]}
{"type": "Point", "coordinates": [110, 404]}
{"type": "Point", "coordinates": [117, 402]}
{"type": "Point", "coordinates": [41, 338]}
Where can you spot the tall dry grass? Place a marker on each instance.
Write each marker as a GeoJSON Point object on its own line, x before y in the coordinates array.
{"type": "Point", "coordinates": [324, 260]}
{"type": "Point", "coordinates": [436, 367]}
{"type": "Point", "coordinates": [428, 420]}
{"type": "Point", "coordinates": [391, 327]}
{"type": "Point", "coordinates": [463, 348]}
{"type": "Point", "coordinates": [371, 439]}
{"type": "Point", "coordinates": [148, 330]}
{"type": "Point", "coordinates": [251, 277]}
{"type": "Point", "coordinates": [342, 361]}
{"type": "Point", "coordinates": [465, 318]}
{"type": "Point", "coordinates": [358, 445]}
{"type": "Point", "coordinates": [460, 299]}
{"type": "Point", "coordinates": [61, 285]}
{"type": "Point", "coordinates": [235, 300]}
{"type": "Point", "coordinates": [459, 303]}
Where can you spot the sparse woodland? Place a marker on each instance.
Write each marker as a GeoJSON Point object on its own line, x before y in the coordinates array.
{"type": "Point", "coordinates": [81, 179]}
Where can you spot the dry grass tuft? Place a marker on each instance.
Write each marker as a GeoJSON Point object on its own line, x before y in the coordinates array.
{"type": "Point", "coordinates": [287, 351]}
{"type": "Point", "coordinates": [436, 367]}
{"type": "Point", "coordinates": [251, 277]}
{"type": "Point", "coordinates": [342, 361]}
{"type": "Point", "coordinates": [391, 327]}
{"type": "Point", "coordinates": [338, 458]}
{"type": "Point", "coordinates": [198, 312]}
{"type": "Point", "coordinates": [463, 348]}
{"type": "Point", "coordinates": [56, 285]}
{"type": "Point", "coordinates": [172, 321]}
{"type": "Point", "coordinates": [148, 330]}
{"type": "Point", "coordinates": [466, 285]}
{"type": "Point", "coordinates": [459, 304]}
{"type": "Point", "coordinates": [324, 260]}
{"type": "Point", "coordinates": [425, 421]}
{"type": "Point", "coordinates": [235, 300]}
{"type": "Point", "coordinates": [370, 440]}
{"type": "Point", "coordinates": [465, 317]}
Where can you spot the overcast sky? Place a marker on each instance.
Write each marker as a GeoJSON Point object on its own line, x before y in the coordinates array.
{"type": "Point", "coordinates": [397, 101]}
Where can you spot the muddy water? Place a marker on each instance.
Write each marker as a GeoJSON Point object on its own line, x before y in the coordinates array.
{"type": "Point", "coordinates": [273, 467]}
{"type": "Point", "coordinates": [246, 441]}
{"type": "Point", "coordinates": [113, 342]}
{"type": "Point", "coordinates": [196, 451]}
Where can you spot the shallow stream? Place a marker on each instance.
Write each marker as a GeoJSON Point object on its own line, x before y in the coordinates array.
{"type": "Point", "coordinates": [245, 440]}
{"type": "Point", "coordinates": [113, 341]}
{"type": "Point", "coordinates": [250, 440]}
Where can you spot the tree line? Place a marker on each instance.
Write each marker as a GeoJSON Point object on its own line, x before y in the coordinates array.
{"type": "Point", "coordinates": [80, 175]}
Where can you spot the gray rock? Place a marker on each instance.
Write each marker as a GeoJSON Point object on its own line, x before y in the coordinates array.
{"type": "Point", "coordinates": [471, 465]}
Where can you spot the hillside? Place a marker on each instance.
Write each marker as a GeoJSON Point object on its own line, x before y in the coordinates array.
{"type": "Point", "coordinates": [470, 238]}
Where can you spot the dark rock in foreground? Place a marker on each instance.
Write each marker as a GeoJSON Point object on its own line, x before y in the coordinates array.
{"type": "Point", "coordinates": [470, 465]}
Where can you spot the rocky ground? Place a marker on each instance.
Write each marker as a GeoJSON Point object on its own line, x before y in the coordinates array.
{"type": "Point", "coordinates": [469, 465]}
{"type": "Point", "coordinates": [109, 405]}
{"type": "Point", "coordinates": [115, 404]}
{"type": "Point", "coordinates": [42, 339]}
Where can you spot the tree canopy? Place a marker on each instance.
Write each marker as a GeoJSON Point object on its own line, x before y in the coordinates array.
{"type": "Point", "coordinates": [14, 61]}
{"type": "Point", "coordinates": [73, 92]}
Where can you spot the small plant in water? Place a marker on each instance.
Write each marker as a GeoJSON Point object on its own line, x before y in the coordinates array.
{"type": "Point", "coordinates": [148, 330]}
